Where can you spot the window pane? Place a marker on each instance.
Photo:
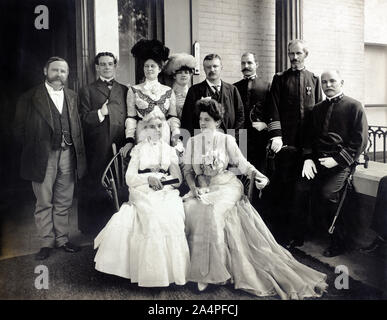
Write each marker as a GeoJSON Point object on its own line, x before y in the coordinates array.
{"type": "Point", "coordinates": [138, 19]}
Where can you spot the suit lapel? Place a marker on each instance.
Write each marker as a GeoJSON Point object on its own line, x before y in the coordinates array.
{"type": "Point", "coordinates": [115, 91]}
{"type": "Point", "coordinates": [102, 88]}
{"type": "Point", "coordinates": [70, 102]}
{"type": "Point", "coordinates": [41, 102]}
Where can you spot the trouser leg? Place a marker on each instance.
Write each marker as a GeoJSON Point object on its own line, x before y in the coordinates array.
{"type": "Point", "coordinates": [332, 184]}
{"type": "Point", "coordinates": [44, 206]}
{"type": "Point", "coordinates": [63, 196]}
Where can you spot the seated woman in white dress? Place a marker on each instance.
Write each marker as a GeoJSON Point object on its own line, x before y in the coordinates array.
{"type": "Point", "coordinates": [228, 240]}
{"type": "Point", "coordinates": [145, 240]}
{"type": "Point", "coordinates": [150, 95]}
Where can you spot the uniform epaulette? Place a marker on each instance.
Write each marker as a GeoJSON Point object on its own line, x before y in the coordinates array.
{"type": "Point", "coordinates": [279, 73]}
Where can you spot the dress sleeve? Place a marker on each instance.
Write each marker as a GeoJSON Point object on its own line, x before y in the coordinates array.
{"type": "Point", "coordinates": [174, 168]}
{"type": "Point", "coordinates": [173, 120]}
{"type": "Point", "coordinates": [131, 121]}
{"type": "Point", "coordinates": [132, 177]}
{"type": "Point", "coordinates": [188, 170]}
{"type": "Point", "coordinates": [237, 158]}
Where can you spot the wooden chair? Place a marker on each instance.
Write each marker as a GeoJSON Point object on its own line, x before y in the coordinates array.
{"type": "Point", "coordinates": [247, 185]}
{"type": "Point", "coordinates": [113, 179]}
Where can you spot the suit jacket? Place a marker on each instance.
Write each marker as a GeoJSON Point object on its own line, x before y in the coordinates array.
{"type": "Point", "coordinates": [99, 136]}
{"type": "Point", "coordinates": [254, 100]}
{"type": "Point", "coordinates": [34, 127]}
{"type": "Point", "coordinates": [229, 98]}
{"type": "Point", "coordinates": [292, 97]}
{"type": "Point", "coordinates": [338, 130]}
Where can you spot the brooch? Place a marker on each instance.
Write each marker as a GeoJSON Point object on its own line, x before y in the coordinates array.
{"type": "Point", "coordinates": [308, 90]}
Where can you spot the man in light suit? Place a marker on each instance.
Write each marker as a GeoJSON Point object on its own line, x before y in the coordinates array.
{"type": "Point", "coordinates": [102, 106]}
{"type": "Point", "coordinates": [48, 126]}
{"type": "Point", "coordinates": [225, 93]}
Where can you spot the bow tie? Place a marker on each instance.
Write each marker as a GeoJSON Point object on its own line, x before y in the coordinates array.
{"type": "Point", "coordinates": [250, 78]}
{"type": "Point", "coordinates": [336, 99]}
{"type": "Point", "coordinates": [109, 83]}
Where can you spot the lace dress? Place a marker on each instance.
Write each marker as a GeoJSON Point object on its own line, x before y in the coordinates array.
{"type": "Point", "coordinates": [227, 238]}
{"type": "Point", "coordinates": [148, 97]}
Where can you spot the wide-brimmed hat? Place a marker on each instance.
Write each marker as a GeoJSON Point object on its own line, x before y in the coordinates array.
{"type": "Point", "coordinates": [180, 61]}
{"type": "Point", "coordinates": [150, 49]}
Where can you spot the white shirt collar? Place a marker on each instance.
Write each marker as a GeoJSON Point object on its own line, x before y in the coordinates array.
{"type": "Point", "coordinates": [106, 79]}
{"type": "Point", "coordinates": [51, 90]}
{"type": "Point", "coordinates": [219, 85]}
{"type": "Point", "coordinates": [335, 96]}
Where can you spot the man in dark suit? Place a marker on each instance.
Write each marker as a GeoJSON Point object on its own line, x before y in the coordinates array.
{"type": "Point", "coordinates": [336, 135]}
{"type": "Point", "coordinates": [254, 92]}
{"type": "Point", "coordinates": [102, 106]}
{"type": "Point", "coordinates": [293, 94]}
{"type": "Point", "coordinates": [225, 93]}
{"type": "Point", "coordinates": [48, 126]}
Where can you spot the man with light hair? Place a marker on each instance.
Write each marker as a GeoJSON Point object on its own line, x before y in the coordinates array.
{"type": "Point", "coordinates": [293, 94]}
{"type": "Point", "coordinates": [336, 135]}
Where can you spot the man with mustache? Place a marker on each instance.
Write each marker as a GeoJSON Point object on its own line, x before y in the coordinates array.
{"type": "Point", "coordinates": [102, 107]}
{"type": "Point", "coordinates": [293, 94]}
{"type": "Point", "coordinates": [48, 126]}
{"type": "Point", "coordinates": [336, 135]}
{"type": "Point", "coordinates": [223, 92]}
{"type": "Point", "coordinates": [254, 92]}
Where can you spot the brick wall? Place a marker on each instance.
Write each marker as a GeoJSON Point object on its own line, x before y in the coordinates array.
{"type": "Point", "coordinates": [334, 31]}
{"type": "Point", "coordinates": [231, 27]}
{"type": "Point", "coordinates": [375, 27]}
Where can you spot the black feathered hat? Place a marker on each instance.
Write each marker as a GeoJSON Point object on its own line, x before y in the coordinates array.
{"type": "Point", "coordinates": [150, 49]}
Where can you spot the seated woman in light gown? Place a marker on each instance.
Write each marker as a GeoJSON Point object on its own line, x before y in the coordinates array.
{"type": "Point", "coordinates": [150, 95]}
{"type": "Point", "coordinates": [145, 240]}
{"type": "Point", "coordinates": [228, 240]}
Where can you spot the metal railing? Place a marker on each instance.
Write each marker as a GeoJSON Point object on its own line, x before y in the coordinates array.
{"type": "Point", "coordinates": [375, 134]}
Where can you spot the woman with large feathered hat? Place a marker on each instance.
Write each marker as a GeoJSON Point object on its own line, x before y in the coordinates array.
{"type": "Point", "coordinates": [180, 66]}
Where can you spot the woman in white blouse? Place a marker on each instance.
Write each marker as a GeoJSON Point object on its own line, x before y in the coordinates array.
{"type": "Point", "coordinates": [145, 240]}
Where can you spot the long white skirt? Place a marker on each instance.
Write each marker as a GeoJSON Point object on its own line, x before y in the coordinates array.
{"type": "Point", "coordinates": [145, 240]}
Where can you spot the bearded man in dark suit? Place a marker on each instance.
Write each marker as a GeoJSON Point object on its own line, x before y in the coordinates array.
{"type": "Point", "coordinates": [102, 106]}
{"type": "Point", "coordinates": [48, 126]}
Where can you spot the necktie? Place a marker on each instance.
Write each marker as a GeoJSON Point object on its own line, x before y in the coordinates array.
{"type": "Point", "coordinates": [216, 93]}
{"type": "Point", "coordinates": [109, 83]}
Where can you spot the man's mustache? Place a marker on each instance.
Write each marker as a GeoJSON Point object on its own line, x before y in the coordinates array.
{"type": "Point", "coordinates": [294, 60]}
{"type": "Point", "coordinates": [246, 69]}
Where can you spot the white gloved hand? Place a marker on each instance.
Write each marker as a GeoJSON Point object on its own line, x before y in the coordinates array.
{"type": "Point", "coordinates": [309, 169]}
{"type": "Point", "coordinates": [276, 144]}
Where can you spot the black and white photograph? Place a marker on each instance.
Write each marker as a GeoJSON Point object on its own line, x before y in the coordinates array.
{"type": "Point", "coordinates": [194, 155]}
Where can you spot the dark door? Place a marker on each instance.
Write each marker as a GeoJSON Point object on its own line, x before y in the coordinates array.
{"type": "Point", "coordinates": [24, 51]}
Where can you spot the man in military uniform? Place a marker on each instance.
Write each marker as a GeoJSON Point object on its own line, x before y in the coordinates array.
{"type": "Point", "coordinates": [336, 135]}
{"type": "Point", "coordinates": [254, 92]}
{"type": "Point", "coordinates": [293, 94]}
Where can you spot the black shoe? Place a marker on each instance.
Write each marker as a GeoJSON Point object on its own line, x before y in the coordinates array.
{"type": "Point", "coordinates": [376, 244]}
{"type": "Point", "coordinates": [69, 247]}
{"type": "Point", "coordinates": [294, 243]}
{"type": "Point", "coordinates": [43, 254]}
{"type": "Point", "coordinates": [333, 251]}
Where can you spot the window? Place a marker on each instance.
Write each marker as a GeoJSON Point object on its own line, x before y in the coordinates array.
{"type": "Point", "coordinates": [137, 19]}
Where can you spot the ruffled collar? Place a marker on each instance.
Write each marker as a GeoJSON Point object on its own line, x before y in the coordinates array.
{"type": "Point", "coordinates": [152, 86]}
